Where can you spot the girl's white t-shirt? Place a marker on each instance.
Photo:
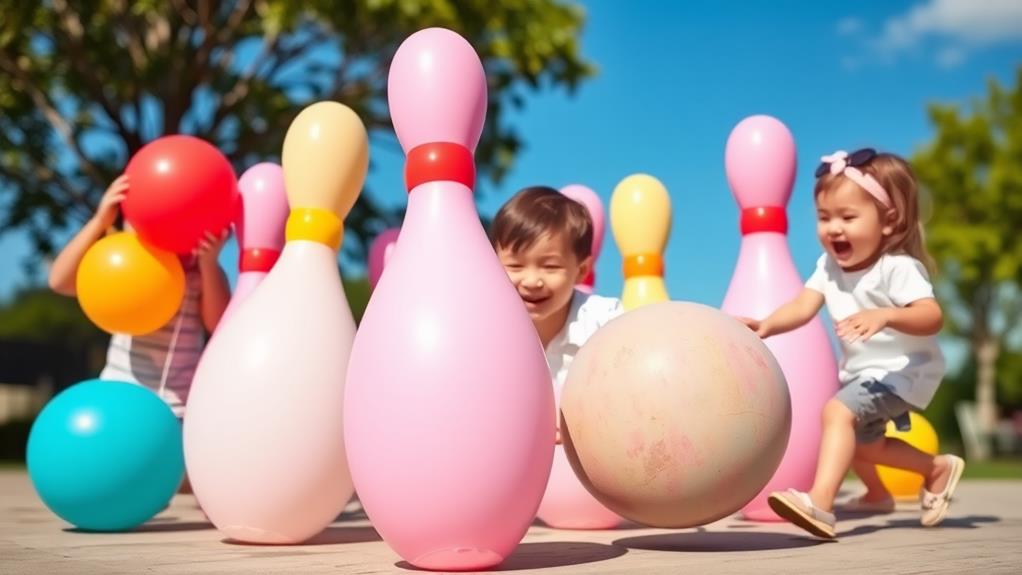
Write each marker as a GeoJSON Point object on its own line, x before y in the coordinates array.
{"type": "Point", "coordinates": [912, 365]}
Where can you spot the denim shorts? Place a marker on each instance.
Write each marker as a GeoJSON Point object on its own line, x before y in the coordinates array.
{"type": "Point", "coordinates": [874, 404]}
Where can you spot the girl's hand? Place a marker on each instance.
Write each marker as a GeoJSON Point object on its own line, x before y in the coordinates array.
{"type": "Point", "coordinates": [208, 250]}
{"type": "Point", "coordinates": [755, 325]}
{"type": "Point", "coordinates": [106, 213]}
{"type": "Point", "coordinates": [863, 325]}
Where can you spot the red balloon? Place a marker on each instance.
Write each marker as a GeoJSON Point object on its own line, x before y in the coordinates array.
{"type": "Point", "coordinates": [179, 188]}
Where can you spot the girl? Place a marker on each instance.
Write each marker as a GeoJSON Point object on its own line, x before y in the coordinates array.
{"type": "Point", "coordinates": [165, 360]}
{"type": "Point", "coordinates": [873, 278]}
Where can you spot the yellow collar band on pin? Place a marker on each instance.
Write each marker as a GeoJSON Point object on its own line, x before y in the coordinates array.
{"type": "Point", "coordinates": [315, 225]}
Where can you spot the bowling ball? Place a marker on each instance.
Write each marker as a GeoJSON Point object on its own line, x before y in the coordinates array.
{"type": "Point", "coordinates": [675, 415]}
{"type": "Point", "coordinates": [901, 483]}
{"type": "Point", "coordinates": [180, 187]}
{"type": "Point", "coordinates": [126, 286]}
{"type": "Point", "coordinates": [106, 455]}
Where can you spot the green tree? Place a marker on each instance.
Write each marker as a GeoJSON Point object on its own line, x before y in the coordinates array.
{"type": "Point", "coordinates": [87, 83]}
{"type": "Point", "coordinates": [41, 316]}
{"type": "Point", "coordinates": [973, 172]}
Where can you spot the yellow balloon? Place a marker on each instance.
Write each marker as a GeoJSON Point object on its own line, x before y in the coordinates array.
{"type": "Point", "coordinates": [126, 286]}
{"type": "Point", "coordinates": [325, 158]}
{"type": "Point", "coordinates": [906, 484]}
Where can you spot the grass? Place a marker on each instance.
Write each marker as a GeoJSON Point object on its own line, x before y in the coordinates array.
{"type": "Point", "coordinates": [995, 469]}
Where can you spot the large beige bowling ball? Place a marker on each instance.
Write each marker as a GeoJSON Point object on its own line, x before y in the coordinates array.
{"type": "Point", "coordinates": [675, 415]}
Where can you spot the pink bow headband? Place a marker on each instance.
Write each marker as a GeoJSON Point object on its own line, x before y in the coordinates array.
{"type": "Point", "coordinates": [840, 162]}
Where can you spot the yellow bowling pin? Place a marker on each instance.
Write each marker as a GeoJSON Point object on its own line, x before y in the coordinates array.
{"type": "Point", "coordinates": [640, 218]}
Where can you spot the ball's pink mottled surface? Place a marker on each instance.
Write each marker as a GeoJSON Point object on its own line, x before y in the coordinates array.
{"type": "Point", "coordinates": [675, 415]}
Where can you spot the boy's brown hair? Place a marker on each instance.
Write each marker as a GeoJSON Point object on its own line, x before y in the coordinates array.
{"type": "Point", "coordinates": [537, 211]}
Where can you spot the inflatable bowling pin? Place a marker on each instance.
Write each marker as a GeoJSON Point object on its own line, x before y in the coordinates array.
{"type": "Point", "coordinates": [263, 433]}
{"type": "Point", "coordinates": [594, 204]}
{"type": "Point", "coordinates": [379, 254]}
{"type": "Point", "coordinates": [760, 165]}
{"type": "Point", "coordinates": [449, 412]}
{"type": "Point", "coordinates": [640, 217]}
{"type": "Point", "coordinates": [259, 228]}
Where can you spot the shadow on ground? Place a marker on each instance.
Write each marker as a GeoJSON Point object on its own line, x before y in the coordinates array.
{"type": "Point", "coordinates": [553, 554]}
{"type": "Point", "coordinates": [717, 541]}
{"type": "Point", "coordinates": [967, 522]}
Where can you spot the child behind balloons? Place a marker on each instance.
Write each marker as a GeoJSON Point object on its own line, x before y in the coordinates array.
{"type": "Point", "coordinates": [165, 360]}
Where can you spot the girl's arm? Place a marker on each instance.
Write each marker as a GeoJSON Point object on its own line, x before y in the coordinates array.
{"type": "Point", "coordinates": [64, 270]}
{"type": "Point", "coordinates": [216, 292]}
{"type": "Point", "coordinates": [789, 316]}
{"type": "Point", "coordinates": [921, 317]}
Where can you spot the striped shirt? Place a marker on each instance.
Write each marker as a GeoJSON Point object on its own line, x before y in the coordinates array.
{"type": "Point", "coordinates": [143, 359]}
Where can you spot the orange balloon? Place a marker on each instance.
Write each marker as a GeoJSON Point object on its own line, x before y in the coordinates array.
{"type": "Point", "coordinates": [126, 286]}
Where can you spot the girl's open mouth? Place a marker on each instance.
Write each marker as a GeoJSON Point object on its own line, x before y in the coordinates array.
{"type": "Point", "coordinates": [842, 249]}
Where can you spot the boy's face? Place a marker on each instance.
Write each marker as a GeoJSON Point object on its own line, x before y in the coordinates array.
{"type": "Point", "coordinates": [544, 274]}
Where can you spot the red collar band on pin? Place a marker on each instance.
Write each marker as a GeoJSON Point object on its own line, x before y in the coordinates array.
{"type": "Point", "coordinates": [440, 162]}
{"type": "Point", "coordinates": [257, 259]}
{"type": "Point", "coordinates": [765, 219]}
{"type": "Point", "coordinates": [590, 279]}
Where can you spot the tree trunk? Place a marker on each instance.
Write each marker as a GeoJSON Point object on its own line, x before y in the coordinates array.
{"type": "Point", "coordinates": [987, 352]}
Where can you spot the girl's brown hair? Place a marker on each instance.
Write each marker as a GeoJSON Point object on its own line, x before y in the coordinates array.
{"type": "Point", "coordinates": [897, 178]}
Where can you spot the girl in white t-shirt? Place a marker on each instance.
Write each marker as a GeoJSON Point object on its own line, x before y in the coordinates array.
{"type": "Point", "coordinates": [873, 279]}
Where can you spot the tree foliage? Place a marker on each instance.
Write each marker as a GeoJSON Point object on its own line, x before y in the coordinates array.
{"type": "Point", "coordinates": [972, 171]}
{"type": "Point", "coordinates": [87, 83]}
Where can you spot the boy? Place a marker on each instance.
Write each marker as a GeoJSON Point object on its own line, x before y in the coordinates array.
{"type": "Point", "coordinates": [544, 241]}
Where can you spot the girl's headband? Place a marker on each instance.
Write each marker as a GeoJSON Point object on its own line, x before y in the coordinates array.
{"type": "Point", "coordinates": [840, 162]}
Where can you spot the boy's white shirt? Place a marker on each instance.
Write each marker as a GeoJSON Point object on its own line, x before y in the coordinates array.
{"type": "Point", "coordinates": [587, 313]}
{"type": "Point", "coordinates": [912, 365]}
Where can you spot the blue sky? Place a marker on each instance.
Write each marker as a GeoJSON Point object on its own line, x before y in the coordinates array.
{"type": "Point", "coordinates": [675, 77]}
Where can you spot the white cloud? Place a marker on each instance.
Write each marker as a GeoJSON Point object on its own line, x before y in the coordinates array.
{"type": "Point", "coordinates": [849, 26]}
{"type": "Point", "coordinates": [948, 31]}
{"type": "Point", "coordinates": [974, 22]}
{"type": "Point", "coordinates": [950, 56]}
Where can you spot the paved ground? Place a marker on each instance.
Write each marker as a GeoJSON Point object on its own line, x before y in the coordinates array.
{"type": "Point", "coordinates": [983, 535]}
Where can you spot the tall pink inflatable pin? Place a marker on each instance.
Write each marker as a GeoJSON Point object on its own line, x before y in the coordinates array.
{"type": "Point", "coordinates": [449, 413]}
{"type": "Point", "coordinates": [760, 165]}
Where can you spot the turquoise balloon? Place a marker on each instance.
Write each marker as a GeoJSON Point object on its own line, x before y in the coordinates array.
{"type": "Point", "coordinates": [106, 455]}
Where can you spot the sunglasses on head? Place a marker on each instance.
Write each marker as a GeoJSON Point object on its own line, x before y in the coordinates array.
{"type": "Point", "coordinates": [855, 159]}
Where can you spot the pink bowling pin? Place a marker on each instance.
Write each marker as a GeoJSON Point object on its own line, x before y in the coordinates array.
{"type": "Point", "coordinates": [566, 503]}
{"type": "Point", "coordinates": [263, 435]}
{"type": "Point", "coordinates": [449, 412]}
{"type": "Point", "coordinates": [379, 254]}
{"type": "Point", "coordinates": [259, 228]}
{"type": "Point", "coordinates": [760, 165]}
{"type": "Point", "coordinates": [594, 204]}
